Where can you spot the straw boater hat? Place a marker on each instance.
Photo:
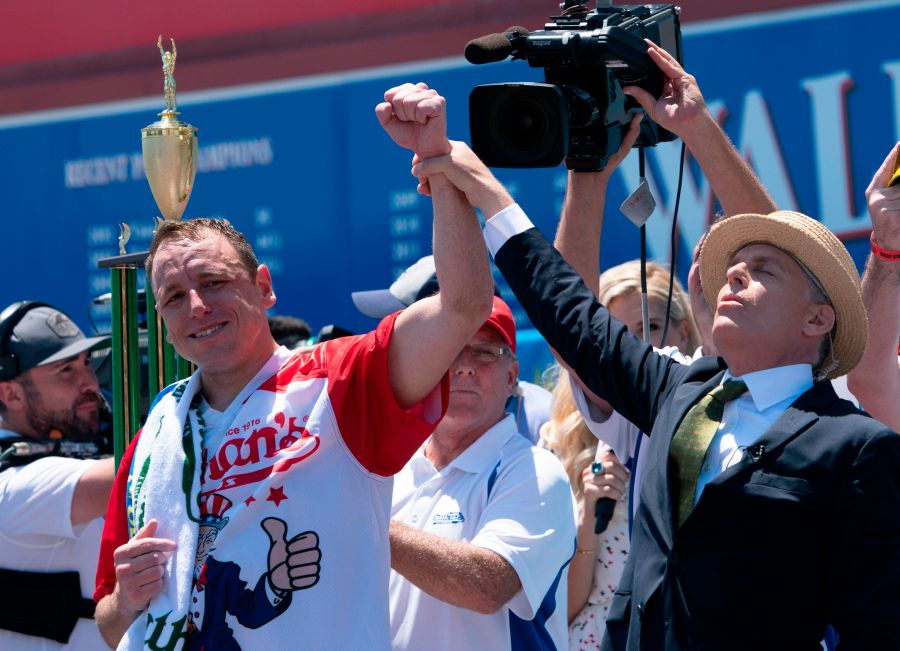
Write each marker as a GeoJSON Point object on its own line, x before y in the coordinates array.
{"type": "Point", "coordinates": [810, 242]}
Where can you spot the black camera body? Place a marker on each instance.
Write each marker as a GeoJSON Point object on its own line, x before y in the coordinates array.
{"type": "Point", "coordinates": [580, 113]}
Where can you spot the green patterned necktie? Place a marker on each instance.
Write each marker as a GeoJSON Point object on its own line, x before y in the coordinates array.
{"type": "Point", "coordinates": [693, 437]}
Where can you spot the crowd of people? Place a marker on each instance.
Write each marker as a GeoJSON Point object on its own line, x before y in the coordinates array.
{"type": "Point", "coordinates": [404, 489]}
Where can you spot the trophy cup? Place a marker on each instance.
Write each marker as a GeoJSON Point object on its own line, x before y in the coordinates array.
{"type": "Point", "coordinates": [169, 148]}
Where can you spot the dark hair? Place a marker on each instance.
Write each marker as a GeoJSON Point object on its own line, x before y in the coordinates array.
{"type": "Point", "coordinates": [288, 330]}
{"type": "Point", "coordinates": [197, 229]}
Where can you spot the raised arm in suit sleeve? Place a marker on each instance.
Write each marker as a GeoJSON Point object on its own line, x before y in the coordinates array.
{"type": "Point", "coordinates": [612, 363]}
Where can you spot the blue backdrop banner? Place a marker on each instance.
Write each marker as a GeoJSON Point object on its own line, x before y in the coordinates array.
{"type": "Point", "coordinates": [811, 97]}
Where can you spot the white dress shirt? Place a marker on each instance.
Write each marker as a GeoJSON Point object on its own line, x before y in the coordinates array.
{"type": "Point", "coordinates": [769, 393]}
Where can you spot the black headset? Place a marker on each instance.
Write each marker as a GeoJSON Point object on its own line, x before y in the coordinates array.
{"type": "Point", "coordinates": [9, 319]}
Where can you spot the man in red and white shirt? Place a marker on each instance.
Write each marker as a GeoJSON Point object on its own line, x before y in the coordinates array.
{"type": "Point", "coordinates": [252, 511]}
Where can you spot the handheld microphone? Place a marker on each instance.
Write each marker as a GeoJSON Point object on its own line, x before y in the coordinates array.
{"type": "Point", "coordinates": [492, 48]}
{"type": "Point", "coordinates": [603, 512]}
{"type": "Point", "coordinates": [605, 506]}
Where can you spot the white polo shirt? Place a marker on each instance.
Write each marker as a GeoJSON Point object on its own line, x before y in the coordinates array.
{"type": "Point", "coordinates": [36, 534]}
{"type": "Point", "coordinates": [501, 494]}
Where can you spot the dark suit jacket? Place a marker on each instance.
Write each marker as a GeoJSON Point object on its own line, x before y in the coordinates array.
{"type": "Point", "coordinates": [226, 592]}
{"type": "Point", "coordinates": [805, 534]}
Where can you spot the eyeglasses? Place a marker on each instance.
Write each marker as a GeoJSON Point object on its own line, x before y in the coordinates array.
{"type": "Point", "coordinates": [484, 354]}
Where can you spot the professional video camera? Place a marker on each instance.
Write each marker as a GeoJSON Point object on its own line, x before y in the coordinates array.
{"type": "Point", "coordinates": [580, 113]}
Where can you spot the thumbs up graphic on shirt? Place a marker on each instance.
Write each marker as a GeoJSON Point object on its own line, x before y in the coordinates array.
{"type": "Point", "coordinates": [294, 563]}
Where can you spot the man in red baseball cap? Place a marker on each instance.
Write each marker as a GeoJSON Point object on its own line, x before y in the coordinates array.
{"type": "Point", "coordinates": [529, 402]}
{"type": "Point", "coordinates": [482, 521]}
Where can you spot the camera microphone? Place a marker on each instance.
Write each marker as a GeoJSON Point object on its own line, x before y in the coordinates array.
{"type": "Point", "coordinates": [492, 48]}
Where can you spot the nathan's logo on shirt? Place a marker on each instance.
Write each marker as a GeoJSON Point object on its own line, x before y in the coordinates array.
{"type": "Point", "coordinates": [242, 460]}
{"type": "Point", "coordinates": [450, 517]}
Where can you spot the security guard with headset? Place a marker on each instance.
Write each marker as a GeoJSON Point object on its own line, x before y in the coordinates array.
{"type": "Point", "coordinates": [55, 479]}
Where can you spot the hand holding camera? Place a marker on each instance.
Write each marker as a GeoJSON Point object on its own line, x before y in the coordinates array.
{"type": "Point", "coordinates": [580, 113]}
{"type": "Point", "coordinates": [680, 107]}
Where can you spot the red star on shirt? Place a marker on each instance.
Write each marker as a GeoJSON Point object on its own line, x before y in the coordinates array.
{"type": "Point", "coordinates": [249, 500]}
{"type": "Point", "coordinates": [276, 495]}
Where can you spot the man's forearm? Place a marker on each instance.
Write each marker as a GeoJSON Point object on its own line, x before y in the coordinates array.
{"type": "Point", "coordinates": [92, 491]}
{"type": "Point", "coordinates": [731, 178]}
{"type": "Point", "coordinates": [455, 572]}
{"type": "Point", "coordinates": [429, 334]}
{"type": "Point", "coordinates": [460, 258]}
{"type": "Point", "coordinates": [111, 620]}
{"type": "Point", "coordinates": [581, 225]}
{"type": "Point", "coordinates": [876, 379]}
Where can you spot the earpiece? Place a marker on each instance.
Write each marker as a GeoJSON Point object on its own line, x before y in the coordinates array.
{"type": "Point", "coordinates": [9, 319]}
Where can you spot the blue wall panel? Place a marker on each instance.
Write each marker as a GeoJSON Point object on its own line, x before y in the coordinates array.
{"type": "Point", "coordinates": [306, 172]}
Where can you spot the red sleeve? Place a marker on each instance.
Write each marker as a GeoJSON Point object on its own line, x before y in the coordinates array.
{"type": "Point", "coordinates": [115, 526]}
{"type": "Point", "coordinates": [380, 434]}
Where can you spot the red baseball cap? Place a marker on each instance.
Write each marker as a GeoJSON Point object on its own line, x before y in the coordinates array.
{"type": "Point", "coordinates": [501, 320]}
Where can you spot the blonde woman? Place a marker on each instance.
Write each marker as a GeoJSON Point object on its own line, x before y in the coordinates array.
{"type": "Point", "coordinates": [619, 289]}
{"type": "Point", "coordinates": [599, 559]}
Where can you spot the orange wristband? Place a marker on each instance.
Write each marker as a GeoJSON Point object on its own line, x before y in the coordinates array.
{"type": "Point", "coordinates": [884, 254]}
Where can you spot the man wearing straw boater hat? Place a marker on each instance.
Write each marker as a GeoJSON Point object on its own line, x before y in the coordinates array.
{"type": "Point", "coordinates": [769, 509]}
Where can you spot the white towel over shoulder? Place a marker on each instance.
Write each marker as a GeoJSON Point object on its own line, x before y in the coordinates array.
{"type": "Point", "coordinates": [164, 485]}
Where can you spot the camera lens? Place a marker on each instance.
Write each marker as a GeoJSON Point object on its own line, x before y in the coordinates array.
{"type": "Point", "coordinates": [519, 125]}
{"type": "Point", "coordinates": [523, 123]}
{"type": "Point", "coordinates": [526, 122]}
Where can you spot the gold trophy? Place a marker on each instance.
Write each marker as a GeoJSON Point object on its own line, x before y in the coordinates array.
{"type": "Point", "coordinates": [170, 148]}
{"type": "Point", "coordinates": [170, 157]}
{"type": "Point", "coordinates": [170, 161]}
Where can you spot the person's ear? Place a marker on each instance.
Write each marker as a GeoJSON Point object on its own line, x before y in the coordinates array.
{"type": "Point", "coordinates": [819, 321]}
{"type": "Point", "coordinates": [12, 395]}
{"type": "Point", "coordinates": [264, 285]}
{"type": "Point", "coordinates": [512, 377]}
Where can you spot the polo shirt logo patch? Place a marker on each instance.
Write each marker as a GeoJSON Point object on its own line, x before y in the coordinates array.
{"type": "Point", "coordinates": [450, 517]}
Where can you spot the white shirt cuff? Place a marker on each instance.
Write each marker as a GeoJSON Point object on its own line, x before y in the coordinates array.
{"type": "Point", "coordinates": [589, 411]}
{"type": "Point", "coordinates": [510, 221]}
{"type": "Point", "coordinates": [612, 431]}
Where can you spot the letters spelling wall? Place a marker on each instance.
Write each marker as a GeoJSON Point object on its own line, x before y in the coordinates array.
{"type": "Point", "coordinates": [811, 97]}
